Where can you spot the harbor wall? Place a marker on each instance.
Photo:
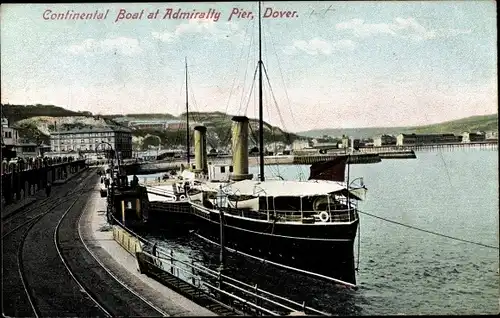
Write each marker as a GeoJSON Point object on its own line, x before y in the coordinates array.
{"type": "Point", "coordinates": [21, 181]}
{"type": "Point", "coordinates": [130, 243]}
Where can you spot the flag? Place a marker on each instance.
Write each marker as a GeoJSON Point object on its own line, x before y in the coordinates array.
{"type": "Point", "coordinates": [333, 169]}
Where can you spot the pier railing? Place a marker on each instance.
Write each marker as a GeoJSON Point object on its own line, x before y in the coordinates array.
{"type": "Point", "coordinates": [213, 281]}
{"type": "Point", "coordinates": [233, 293]}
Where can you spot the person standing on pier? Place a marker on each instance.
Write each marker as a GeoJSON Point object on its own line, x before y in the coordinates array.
{"type": "Point", "coordinates": [154, 249]}
{"type": "Point", "coordinates": [48, 189]}
{"type": "Point", "coordinates": [135, 181]}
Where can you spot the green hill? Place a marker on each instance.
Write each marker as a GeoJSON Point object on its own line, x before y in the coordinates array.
{"type": "Point", "coordinates": [32, 119]}
{"type": "Point", "coordinates": [19, 112]}
{"type": "Point", "coordinates": [474, 123]}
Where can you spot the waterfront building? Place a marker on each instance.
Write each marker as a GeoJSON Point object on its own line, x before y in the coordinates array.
{"type": "Point", "coordinates": [300, 144]}
{"type": "Point", "coordinates": [10, 139]}
{"type": "Point", "coordinates": [31, 149]}
{"type": "Point", "coordinates": [492, 135]}
{"type": "Point", "coordinates": [275, 147]}
{"type": "Point", "coordinates": [471, 136]}
{"type": "Point", "coordinates": [160, 124]}
{"type": "Point", "coordinates": [422, 139]}
{"type": "Point", "coordinates": [384, 140]}
{"type": "Point", "coordinates": [85, 141]}
{"type": "Point", "coordinates": [346, 142]}
{"type": "Point", "coordinates": [10, 135]}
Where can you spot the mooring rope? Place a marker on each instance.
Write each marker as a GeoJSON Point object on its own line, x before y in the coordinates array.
{"type": "Point", "coordinates": [427, 231]}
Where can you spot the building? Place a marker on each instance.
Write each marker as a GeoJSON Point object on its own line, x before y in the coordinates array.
{"type": "Point", "coordinates": [423, 139]}
{"type": "Point", "coordinates": [384, 140]}
{"type": "Point", "coordinates": [275, 147]}
{"type": "Point", "coordinates": [10, 136]}
{"type": "Point", "coordinates": [492, 135]}
{"type": "Point", "coordinates": [156, 124]}
{"type": "Point", "coordinates": [86, 141]}
{"type": "Point", "coordinates": [472, 137]}
{"type": "Point", "coordinates": [149, 124]}
{"type": "Point", "coordinates": [300, 144]}
{"type": "Point", "coordinates": [181, 125]}
{"type": "Point", "coordinates": [31, 149]}
{"type": "Point", "coordinates": [10, 139]}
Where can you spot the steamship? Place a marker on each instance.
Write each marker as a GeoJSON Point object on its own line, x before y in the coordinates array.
{"type": "Point", "coordinates": [306, 225]}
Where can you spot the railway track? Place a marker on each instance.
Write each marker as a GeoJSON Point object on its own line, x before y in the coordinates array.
{"type": "Point", "coordinates": [49, 270]}
{"type": "Point", "coordinates": [17, 300]}
{"type": "Point", "coordinates": [17, 220]}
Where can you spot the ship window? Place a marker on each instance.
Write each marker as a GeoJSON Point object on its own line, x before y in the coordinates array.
{"type": "Point", "coordinates": [230, 168]}
{"type": "Point", "coordinates": [222, 169]}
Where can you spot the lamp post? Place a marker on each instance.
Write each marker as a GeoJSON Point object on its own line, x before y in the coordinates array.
{"type": "Point", "coordinates": [221, 203]}
{"type": "Point", "coordinates": [111, 187]}
{"type": "Point", "coordinates": [159, 145]}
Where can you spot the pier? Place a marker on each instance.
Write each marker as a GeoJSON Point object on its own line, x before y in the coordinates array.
{"type": "Point", "coordinates": [21, 180]}
{"type": "Point", "coordinates": [493, 144]}
{"type": "Point", "coordinates": [60, 259]}
{"type": "Point", "coordinates": [361, 156]}
{"type": "Point", "coordinates": [163, 166]}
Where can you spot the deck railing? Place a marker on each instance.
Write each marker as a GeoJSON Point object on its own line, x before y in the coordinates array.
{"type": "Point", "coordinates": [344, 215]}
{"type": "Point", "coordinates": [334, 216]}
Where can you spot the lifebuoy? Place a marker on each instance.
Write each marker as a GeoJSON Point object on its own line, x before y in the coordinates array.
{"type": "Point", "coordinates": [182, 197]}
{"type": "Point", "coordinates": [324, 217]}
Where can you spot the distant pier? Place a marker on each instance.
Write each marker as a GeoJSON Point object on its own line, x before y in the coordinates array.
{"type": "Point", "coordinates": [163, 166]}
{"type": "Point", "coordinates": [362, 156]}
{"type": "Point", "coordinates": [490, 144]}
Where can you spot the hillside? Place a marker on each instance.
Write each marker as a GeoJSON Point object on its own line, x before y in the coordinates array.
{"type": "Point", "coordinates": [473, 123]}
{"type": "Point", "coordinates": [19, 112]}
{"type": "Point", "coordinates": [36, 122]}
{"type": "Point", "coordinates": [218, 129]}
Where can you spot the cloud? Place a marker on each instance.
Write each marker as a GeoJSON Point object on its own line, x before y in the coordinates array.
{"type": "Point", "coordinates": [210, 29]}
{"type": "Point", "coordinates": [121, 45]}
{"type": "Point", "coordinates": [164, 37]}
{"type": "Point", "coordinates": [407, 28]}
{"type": "Point", "coordinates": [317, 46]}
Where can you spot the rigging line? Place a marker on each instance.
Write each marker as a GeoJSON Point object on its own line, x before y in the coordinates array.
{"type": "Point", "coordinates": [248, 103]}
{"type": "Point", "coordinates": [284, 87]}
{"type": "Point", "coordinates": [237, 69]}
{"type": "Point", "coordinates": [439, 151]}
{"type": "Point", "coordinates": [430, 232]}
{"type": "Point", "coordinates": [246, 72]}
{"type": "Point", "coordinates": [243, 87]}
{"type": "Point", "coordinates": [176, 132]}
{"type": "Point", "coordinates": [251, 89]}
{"type": "Point", "coordinates": [256, 142]}
{"type": "Point", "coordinates": [197, 112]}
{"type": "Point", "coordinates": [273, 134]}
{"type": "Point", "coordinates": [265, 102]}
{"type": "Point", "coordinates": [274, 97]}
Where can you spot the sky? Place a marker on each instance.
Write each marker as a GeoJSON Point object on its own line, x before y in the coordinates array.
{"type": "Point", "coordinates": [328, 65]}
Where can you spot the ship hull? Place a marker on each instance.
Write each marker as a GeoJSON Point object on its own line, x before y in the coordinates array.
{"type": "Point", "coordinates": [326, 249]}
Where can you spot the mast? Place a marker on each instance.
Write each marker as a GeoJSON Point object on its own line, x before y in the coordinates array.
{"type": "Point", "coordinates": [261, 112]}
{"type": "Point", "coordinates": [187, 116]}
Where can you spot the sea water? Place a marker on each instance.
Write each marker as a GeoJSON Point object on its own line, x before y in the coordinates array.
{"type": "Point", "coordinates": [401, 270]}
